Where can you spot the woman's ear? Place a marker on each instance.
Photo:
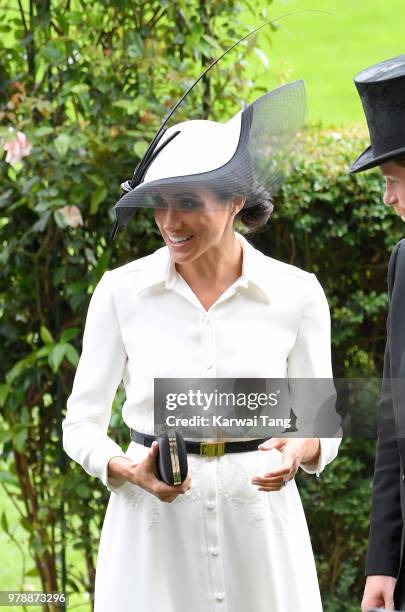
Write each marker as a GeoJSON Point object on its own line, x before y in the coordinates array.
{"type": "Point", "coordinates": [238, 203]}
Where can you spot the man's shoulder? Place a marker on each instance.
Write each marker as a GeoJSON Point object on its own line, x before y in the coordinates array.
{"type": "Point", "coordinates": [397, 252]}
{"type": "Point", "coordinates": [396, 263]}
{"type": "Point", "coordinates": [400, 246]}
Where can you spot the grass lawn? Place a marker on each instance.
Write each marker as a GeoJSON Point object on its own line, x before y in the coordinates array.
{"type": "Point", "coordinates": [327, 51]}
{"type": "Point", "coordinates": [12, 562]}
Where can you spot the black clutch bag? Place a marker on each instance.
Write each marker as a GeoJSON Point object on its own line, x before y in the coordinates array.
{"type": "Point", "coordinates": [171, 465]}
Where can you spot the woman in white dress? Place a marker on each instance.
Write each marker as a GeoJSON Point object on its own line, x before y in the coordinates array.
{"type": "Point", "coordinates": [233, 536]}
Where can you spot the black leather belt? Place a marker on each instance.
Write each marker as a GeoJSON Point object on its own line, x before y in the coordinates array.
{"type": "Point", "coordinates": [207, 449]}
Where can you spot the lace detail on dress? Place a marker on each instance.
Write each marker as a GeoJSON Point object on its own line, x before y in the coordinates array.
{"type": "Point", "coordinates": [144, 502]}
{"type": "Point", "coordinates": [150, 506]}
{"type": "Point", "coordinates": [233, 474]}
{"type": "Point", "coordinates": [234, 484]}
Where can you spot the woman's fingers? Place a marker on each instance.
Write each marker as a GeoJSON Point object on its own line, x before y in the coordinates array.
{"type": "Point", "coordinates": [271, 484]}
{"type": "Point", "coordinates": [283, 471]}
{"type": "Point", "coordinates": [292, 451]}
{"type": "Point", "coordinates": [271, 481]}
{"type": "Point", "coordinates": [274, 481]}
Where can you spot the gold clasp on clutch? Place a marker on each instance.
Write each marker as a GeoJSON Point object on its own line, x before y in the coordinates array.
{"type": "Point", "coordinates": [212, 449]}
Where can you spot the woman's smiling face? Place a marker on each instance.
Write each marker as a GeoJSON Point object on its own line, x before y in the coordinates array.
{"type": "Point", "coordinates": [193, 222]}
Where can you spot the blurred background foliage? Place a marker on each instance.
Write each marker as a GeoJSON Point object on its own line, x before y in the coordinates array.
{"type": "Point", "coordinates": [88, 86]}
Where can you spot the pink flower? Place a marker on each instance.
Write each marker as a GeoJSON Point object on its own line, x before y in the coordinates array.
{"type": "Point", "coordinates": [71, 215]}
{"type": "Point", "coordinates": [17, 148]}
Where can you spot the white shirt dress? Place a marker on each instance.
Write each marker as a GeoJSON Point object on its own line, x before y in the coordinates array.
{"type": "Point", "coordinates": [223, 546]}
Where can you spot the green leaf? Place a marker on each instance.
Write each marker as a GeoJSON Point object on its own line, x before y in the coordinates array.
{"type": "Point", "coordinates": [44, 350]}
{"type": "Point", "coordinates": [44, 130]}
{"type": "Point", "coordinates": [82, 490]}
{"type": "Point", "coordinates": [80, 88]}
{"type": "Point", "coordinates": [52, 53]}
{"type": "Point", "coordinates": [26, 524]}
{"type": "Point", "coordinates": [25, 416]}
{"type": "Point", "coordinates": [19, 439]}
{"type": "Point", "coordinates": [18, 368]}
{"type": "Point", "coordinates": [69, 334]}
{"type": "Point", "coordinates": [212, 41]}
{"type": "Point", "coordinates": [131, 106]}
{"type": "Point", "coordinates": [72, 355]}
{"type": "Point", "coordinates": [42, 222]}
{"type": "Point", "coordinates": [94, 178]}
{"type": "Point", "coordinates": [74, 17]}
{"type": "Point", "coordinates": [59, 219]}
{"type": "Point", "coordinates": [62, 144]}
{"type": "Point", "coordinates": [4, 522]}
{"type": "Point", "coordinates": [4, 391]}
{"type": "Point", "coordinates": [90, 256]}
{"type": "Point", "coordinates": [8, 478]}
{"type": "Point", "coordinates": [140, 147]}
{"type": "Point", "coordinates": [56, 356]}
{"type": "Point", "coordinates": [47, 400]}
{"type": "Point", "coordinates": [46, 335]}
{"type": "Point", "coordinates": [98, 195]}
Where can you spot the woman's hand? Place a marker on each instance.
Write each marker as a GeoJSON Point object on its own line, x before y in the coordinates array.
{"type": "Point", "coordinates": [294, 452]}
{"type": "Point", "coordinates": [144, 475]}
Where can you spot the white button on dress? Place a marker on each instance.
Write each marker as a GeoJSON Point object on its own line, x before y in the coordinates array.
{"type": "Point", "coordinates": [145, 322]}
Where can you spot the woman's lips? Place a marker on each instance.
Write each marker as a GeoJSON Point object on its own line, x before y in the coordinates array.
{"type": "Point", "coordinates": [179, 244]}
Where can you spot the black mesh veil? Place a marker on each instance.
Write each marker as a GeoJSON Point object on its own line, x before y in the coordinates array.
{"type": "Point", "coordinates": [222, 160]}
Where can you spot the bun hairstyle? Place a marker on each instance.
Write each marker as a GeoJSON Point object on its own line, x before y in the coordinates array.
{"type": "Point", "coordinates": [257, 209]}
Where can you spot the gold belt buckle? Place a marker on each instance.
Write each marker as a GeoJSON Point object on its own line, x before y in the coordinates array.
{"type": "Point", "coordinates": [212, 449]}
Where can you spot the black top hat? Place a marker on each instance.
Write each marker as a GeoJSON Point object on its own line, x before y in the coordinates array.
{"type": "Point", "coordinates": [382, 91]}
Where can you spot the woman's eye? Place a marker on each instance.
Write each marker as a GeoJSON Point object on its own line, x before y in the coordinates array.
{"type": "Point", "coordinates": [189, 205]}
{"type": "Point", "coordinates": [156, 201]}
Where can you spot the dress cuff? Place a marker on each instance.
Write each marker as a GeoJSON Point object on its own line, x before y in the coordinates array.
{"type": "Point", "coordinates": [113, 482]}
{"type": "Point", "coordinates": [328, 449]}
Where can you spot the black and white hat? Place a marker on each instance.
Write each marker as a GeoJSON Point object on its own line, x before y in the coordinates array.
{"type": "Point", "coordinates": [247, 150]}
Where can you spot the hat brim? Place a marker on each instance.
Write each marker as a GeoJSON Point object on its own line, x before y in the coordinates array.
{"type": "Point", "coordinates": [367, 160]}
{"type": "Point", "coordinates": [256, 159]}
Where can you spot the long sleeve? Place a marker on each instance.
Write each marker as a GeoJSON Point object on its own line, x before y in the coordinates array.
{"type": "Point", "coordinates": [311, 358]}
{"type": "Point", "coordinates": [97, 377]}
{"type": "Point", "coordinates": [384, 547]}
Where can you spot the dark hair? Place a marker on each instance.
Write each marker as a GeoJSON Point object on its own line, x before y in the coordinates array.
{"type": "Point", "coordinates": [258, 206]}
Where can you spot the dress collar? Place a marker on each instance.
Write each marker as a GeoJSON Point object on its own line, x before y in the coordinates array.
{"type": "Point", "coordinates": [159, 269]}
